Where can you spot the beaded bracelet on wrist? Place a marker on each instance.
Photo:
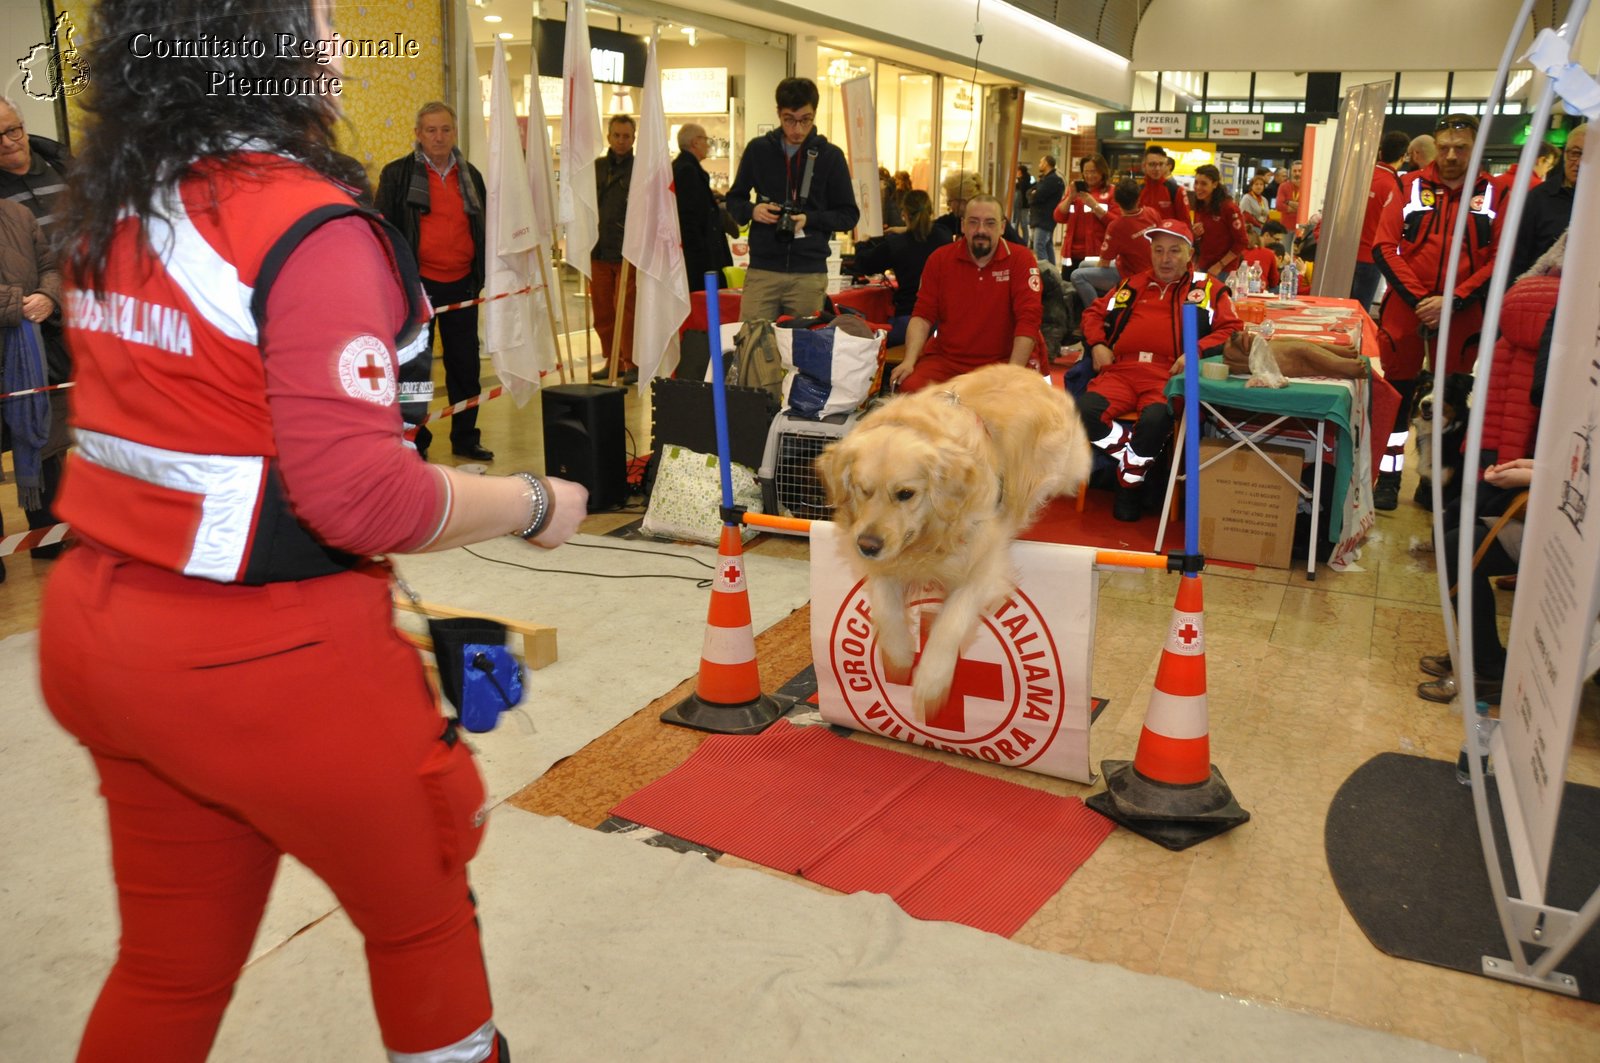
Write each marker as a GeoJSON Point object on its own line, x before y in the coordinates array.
{"type": "Point", "coordinates": [541, 510]}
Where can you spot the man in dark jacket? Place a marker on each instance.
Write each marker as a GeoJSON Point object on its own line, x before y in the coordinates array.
{"type": "Point", "coordinates": [33, 172]}
{"type": "Point", "coordinates": [802, 196]}
{"type": "Point", "coordinates": [435, 198]}
{"type": "Point", "coordinates": [1042, 200]}
{"type": "Point", "coordinates": [705, 247]}
{"type": "Point", "coordinates": [613, 177]}
{"type": "Point", "coordinates": [1549, 208]}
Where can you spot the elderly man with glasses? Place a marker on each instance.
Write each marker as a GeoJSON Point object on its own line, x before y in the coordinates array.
{"type": "Point", "coordinates": [1412, 248]}
{"type": "Point", "coordinates": [33, 172]}
{"type": "Point", "coordinates": [794, 189]}
{"type": "Point", "coordinates": [1549, 208]}
{"type": "Point", "coordinates": [705, 246]}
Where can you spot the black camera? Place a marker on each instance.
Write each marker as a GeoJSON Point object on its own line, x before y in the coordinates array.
{"type": "Point", "coordinates": [786, 214]}
{"type": "Point", "coordinates": [786, 221]}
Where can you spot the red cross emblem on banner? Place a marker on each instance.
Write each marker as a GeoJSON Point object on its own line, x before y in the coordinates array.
{"type": "Point", "coordinates": [972, 679]}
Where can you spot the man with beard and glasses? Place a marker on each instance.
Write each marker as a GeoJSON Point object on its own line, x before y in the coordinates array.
{"type": "Point", "coordinates": [980, 295]}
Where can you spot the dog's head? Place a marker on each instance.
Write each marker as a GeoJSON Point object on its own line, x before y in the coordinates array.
{"type": "Point", "coordinates": [1457, 400]}
{"type": "Point", "coordinates": [899, 490]}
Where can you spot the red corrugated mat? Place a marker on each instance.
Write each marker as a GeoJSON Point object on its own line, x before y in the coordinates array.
{"type": "Point", "coordinates": [944, 843]}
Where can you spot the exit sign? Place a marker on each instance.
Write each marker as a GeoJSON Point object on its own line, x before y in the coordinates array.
{"type": "Point", "coordinates": [1274, 127]}
{"type": "Point", "coordinates": [1122, 126]}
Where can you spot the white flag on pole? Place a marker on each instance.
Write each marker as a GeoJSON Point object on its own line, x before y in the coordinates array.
{"type": "Point", "coordinates": [651, 239]}
{"type": "Point", "coordinates": [519, 341]}
{"type": "Point", "coordinates": [541, 170]}
{"type": "Point", "coordinates": [581, 142]}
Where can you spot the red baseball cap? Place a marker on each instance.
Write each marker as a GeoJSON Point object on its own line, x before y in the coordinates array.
{"type": "Point", "coordinates": [1172, 227]}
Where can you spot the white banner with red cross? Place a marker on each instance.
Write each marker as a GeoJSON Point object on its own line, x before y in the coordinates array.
{"type": "Point", "coordinates": [1020, 696]}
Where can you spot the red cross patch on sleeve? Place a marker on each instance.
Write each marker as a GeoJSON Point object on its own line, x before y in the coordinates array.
{"type": "Point", "coordinates": [366, 371]}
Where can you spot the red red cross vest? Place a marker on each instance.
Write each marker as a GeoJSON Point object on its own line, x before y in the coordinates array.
{"type": "Point", "coordinates": [175, 463]}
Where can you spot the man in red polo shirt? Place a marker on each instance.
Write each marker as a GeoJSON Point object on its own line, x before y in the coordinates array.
{"type": "Point", "coordinates": [1135, 336]}
{"type": "Point", "coordinates": [981, 294]}
{"type": "Point", "coordinates": [1289, 198]}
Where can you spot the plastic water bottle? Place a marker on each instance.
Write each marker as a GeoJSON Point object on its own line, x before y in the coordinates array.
{"type": "Point", "coordinates": [1485, 726]}
{"type": "Point", "coordinates": [1289, 284]}
{"type": "Point", "coordinates": [1253, 279]}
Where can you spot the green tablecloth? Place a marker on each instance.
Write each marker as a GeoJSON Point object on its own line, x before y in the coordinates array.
{"type": "Point", "coordinates": [1328, 402]}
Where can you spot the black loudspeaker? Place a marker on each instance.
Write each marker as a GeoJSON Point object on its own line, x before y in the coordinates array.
{"type": "Point", "coordinates": [585, 440]}
{"type": "Point", "coordinates": [1322, 92]}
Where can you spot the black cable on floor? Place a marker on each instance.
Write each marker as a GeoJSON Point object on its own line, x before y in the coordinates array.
{"type": "Point", "coordinates": [702, 583]}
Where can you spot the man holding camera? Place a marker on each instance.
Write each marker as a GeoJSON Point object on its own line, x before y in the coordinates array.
{"type": "Point", "coordinates": [802, 196]}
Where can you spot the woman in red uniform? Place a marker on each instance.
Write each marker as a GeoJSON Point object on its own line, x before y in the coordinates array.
{"type": "Point", "coordinates": [1085, 211]}
{"type": "Point", "coordinates": [220, 639]}
{"type": "Point", "coordinates": [1218, 225]}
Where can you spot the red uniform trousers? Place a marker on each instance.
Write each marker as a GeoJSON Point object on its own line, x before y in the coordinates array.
{"type": "Point", "coordinates": [230, 724]}
{"type": "Point", "coordinates": [1402, 349]}
{"type": "Point", "coordinates": [1130, 386]}
{"type": "Point", "coordinates": [937, 368]}
{"type": "Point", "coordinates": [603, 294]}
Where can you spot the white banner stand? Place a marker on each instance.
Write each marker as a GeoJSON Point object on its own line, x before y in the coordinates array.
{"type": "Point", "coordinates": [1548, 657]}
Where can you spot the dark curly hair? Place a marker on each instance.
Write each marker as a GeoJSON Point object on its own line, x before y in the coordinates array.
{"type": "Point", "coordinates": [150, 119]}
{"type": "Point", "coordinates": [1219, 191]}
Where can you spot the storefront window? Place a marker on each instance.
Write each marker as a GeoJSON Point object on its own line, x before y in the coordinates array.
{"type": "Point", "coordinates": [905, 123]}
{"type": "Point", "coordinates": [960, 127]}
{"type": "Point", "coordinates": [834, 68]}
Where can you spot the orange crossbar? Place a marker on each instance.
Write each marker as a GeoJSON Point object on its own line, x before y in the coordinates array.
{"type": "Point", "coordinates": [1116, 558]}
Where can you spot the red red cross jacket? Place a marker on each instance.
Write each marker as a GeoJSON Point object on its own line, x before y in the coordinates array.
{"type": "Point", "coordinates": [175, 454]}
{"type": "Point", "coordinates": [1414, 236]}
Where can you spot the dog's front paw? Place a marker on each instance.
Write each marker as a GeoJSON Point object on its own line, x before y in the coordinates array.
{"type": "Point", "coordinates": [929, 691]}
{"type": "Point", "coordinates": [896, 665]}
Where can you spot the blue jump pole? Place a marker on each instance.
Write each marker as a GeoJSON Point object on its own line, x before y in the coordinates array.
{"type": "Point", "coordinates": [1191, 430]}
{"type": "Point", "coordinates": [719, 392]}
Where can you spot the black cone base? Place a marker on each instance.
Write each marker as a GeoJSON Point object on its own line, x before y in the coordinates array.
{"type": "Point", "coordinates": [751, 718]}
{"type": "Point", "coordinates": [1175, 817]}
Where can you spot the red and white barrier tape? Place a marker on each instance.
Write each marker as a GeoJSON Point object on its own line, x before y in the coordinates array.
{"type": "Point", "coordinates": [27, 540]}
{"type": "Point", "coordinates": [451, 411]}
{"type": "Point", "coordinates": [35, 391]}
{"type": "Point", "coordinates": [524, 290]}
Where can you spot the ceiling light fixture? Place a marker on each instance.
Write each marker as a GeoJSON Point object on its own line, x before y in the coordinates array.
{"type": "Point", "coordinates": [491, 18]}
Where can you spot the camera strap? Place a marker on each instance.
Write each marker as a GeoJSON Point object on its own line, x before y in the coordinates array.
{"type": "Point", "coordinates": [805, 177]}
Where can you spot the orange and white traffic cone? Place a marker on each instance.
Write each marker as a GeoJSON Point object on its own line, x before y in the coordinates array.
{"type": "Point", "coordinates": [1171, 793]}
{"type": "Point", "coordinates": [727, 698]}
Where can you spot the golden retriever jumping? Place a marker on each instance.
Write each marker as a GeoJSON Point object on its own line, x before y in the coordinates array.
{"type": "Point", "coordinates": [934, 486]}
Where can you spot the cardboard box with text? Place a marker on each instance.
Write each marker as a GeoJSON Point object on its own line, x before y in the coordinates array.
{"type": "Point", "coordinates": [1246, 509]}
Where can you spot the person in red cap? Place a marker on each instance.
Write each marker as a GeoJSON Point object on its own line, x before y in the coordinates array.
{"type": "Point", "coordinates": [1135, 336]}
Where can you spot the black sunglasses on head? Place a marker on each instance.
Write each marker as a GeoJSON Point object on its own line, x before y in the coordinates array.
{"type": "Point", "coordinates": [1456, 123]}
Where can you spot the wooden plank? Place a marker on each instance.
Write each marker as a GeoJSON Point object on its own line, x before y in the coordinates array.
{"type": "Point", "coordinates": [538, 640]}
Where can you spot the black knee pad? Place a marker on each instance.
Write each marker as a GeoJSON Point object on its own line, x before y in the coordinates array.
{"type": "Point", "coordinates": [1092, 408]}
{"type": "Point", "coordinates": [1154, 428]}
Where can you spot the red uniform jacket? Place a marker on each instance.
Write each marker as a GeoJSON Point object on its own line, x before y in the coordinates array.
{"type": "Point", "coordinates": [197, 491]}
{"type": "Point", "coordinates": [1125, 243]}
{"type": "Point", "coordinates": [1414, 235]}
{"type": "Point", "coordinates": [1384, 187]}
{"type": "Point", "coordinates": [1085, 232]}
{"type": "Point", "coordinates": [1143, 316]}
{"type": "Point", "coordinates": [1219, 234]}
{"type": "Point", "coordinates": [1166, 198]}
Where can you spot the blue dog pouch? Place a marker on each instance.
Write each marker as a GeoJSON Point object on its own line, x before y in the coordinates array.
{"type": "Point", "coordinates": [491, 684]}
